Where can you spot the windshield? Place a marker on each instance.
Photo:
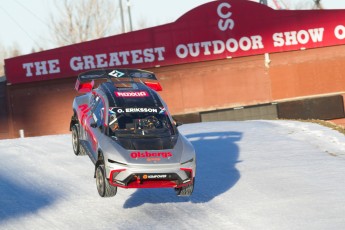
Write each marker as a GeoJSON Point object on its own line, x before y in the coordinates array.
{"type": "Point", "coordinates": [144, 123]}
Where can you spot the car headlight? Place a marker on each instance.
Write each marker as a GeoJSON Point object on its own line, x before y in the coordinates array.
{"type": "Point", "coordinates": [191, 160]}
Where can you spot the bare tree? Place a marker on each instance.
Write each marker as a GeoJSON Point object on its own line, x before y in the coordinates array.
{"type": "Point", "coordinates": [83, 20]}
{"type": "Point", "coordinates": [318, 4]}
{"type": "Point", "coordinates": [7, 52]}
{"type": "Point", "coordinates": [311, 4]}
{"type": "Point", "coordinates": [142, 24]}
{"type": "Point", "coordinates": [3, 54]}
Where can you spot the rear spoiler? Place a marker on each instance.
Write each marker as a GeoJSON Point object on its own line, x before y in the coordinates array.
{"type": "Point", "coordinates": [115, 74]}
{"type": "Point", "coordinates": [85, 81]}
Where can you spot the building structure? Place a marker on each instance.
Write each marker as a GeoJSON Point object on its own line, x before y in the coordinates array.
{"type": "Point", "coordinates": [224, 60]}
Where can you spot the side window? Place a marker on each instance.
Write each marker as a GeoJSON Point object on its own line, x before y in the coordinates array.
{"type": "Point", "coordinates": [98, 113]}
{"type": "Point", "coordinates": [94, 101]}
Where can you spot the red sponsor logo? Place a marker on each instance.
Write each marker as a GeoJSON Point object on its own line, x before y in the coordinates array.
{"type": "Point", "coordinates": [132, 94]}
{"type": "Point", "coordinates": [151, 155]}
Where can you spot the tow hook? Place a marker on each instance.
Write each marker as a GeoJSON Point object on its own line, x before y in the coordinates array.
{"type": "Point", "coordinates": [138, 179]}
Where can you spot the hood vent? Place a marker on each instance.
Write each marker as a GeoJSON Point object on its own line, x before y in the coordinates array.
{"type": "Point", "coordinates": [147, 143]}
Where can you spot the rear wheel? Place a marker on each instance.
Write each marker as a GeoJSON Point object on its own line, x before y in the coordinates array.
{"type": "Point", "coordinates": [186, 190]}
{"type": "Point", "coordinates": [103, 187]}
{"type": "Point", "coordinates": [76, 140]}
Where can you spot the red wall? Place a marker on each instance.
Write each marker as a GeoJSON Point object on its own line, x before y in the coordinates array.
{"type": "Point", "coordinates": [309, 72]}
{"type": "Point", "coordinates": [215, 84]}
{"type": "Point", "coordinates": [247, 81]}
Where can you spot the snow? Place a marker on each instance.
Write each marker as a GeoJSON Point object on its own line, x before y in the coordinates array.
{"type": "Point", "coordinates": [250, 175]}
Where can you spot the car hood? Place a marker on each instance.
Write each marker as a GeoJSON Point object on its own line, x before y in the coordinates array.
{"type": "Point", "coordinates": [152, 151]}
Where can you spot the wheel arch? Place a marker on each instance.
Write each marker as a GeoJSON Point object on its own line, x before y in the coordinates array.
{"type": "Point", "coordinates": [74, 120]}
{"type": "Point", "coordinates": [100, 160]}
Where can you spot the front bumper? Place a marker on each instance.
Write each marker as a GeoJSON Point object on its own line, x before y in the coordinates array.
{"type": "Point", "coordinates": [149, 178]}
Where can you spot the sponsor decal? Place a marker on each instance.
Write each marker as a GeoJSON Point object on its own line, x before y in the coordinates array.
{"type": "Point", "coordinates": [163, 110]}
{"type": "Point", "coordinates": [161, 176]}
{"type": "Point", "coordinates": [83, 108]}
{"type": "Point", "coordinates": [154, 159]}
{"type": "Point", "coordinates": [111, 111]}
{"type": "Point", "coordinates": [116, 73]}
{"type": "Point", "coordinates": [156, 176]}
{"type": "Point", "coordinates": [141, 110]}
{"type": "Point", "coordinates": [138, 110]}
{"type": "Point", "coordinates": [132, 94]}
{"type": "Point", "coordinates": [151, 156]}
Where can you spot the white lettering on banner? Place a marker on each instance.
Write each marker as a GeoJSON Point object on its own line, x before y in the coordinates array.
{"type": "Point", "coordinates": [53, 66]}
{"type": "Point", "coordinates": [298, 37]}
{"type": "Point", "coordinates": [89, 62]}
{"type": "Point", "coordinates": [42, 67]}
{"type": "Point", "coordinates": [182, 51]}
{"type": "Point", "coordinates": [101, 60]}
{"type": "Point", "coordinates": [206, 46]}
{"type": "Point", "coordinates": [339, 32]}
{"type": "Point", "coordinates": [117, 58]}
{"type": "Point", "coordinates": [124, 56]}
{"type": "Point", "coordinates": [218, 46]}
{"type": "Point", "coordinates": [28, 67]}
{"type": "Point", "coordinates": [225, 22]}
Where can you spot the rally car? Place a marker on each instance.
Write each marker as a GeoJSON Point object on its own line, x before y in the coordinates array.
{"type": "Point", "coordinates": [125, 128]}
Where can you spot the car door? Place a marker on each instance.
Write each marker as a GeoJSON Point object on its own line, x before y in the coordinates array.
{"type": "Point", "coordinates": [95, 125]}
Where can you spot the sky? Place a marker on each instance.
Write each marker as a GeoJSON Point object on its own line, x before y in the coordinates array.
{"type": "Point", "coordinates": [25, 24]}
{"type": "Point", "coordinates": [250, 175]}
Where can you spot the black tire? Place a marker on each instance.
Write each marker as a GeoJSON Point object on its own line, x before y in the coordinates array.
{"type": "Point", "coordinates": [103, 187]}
{"type": "Point", "coordinates": [76, 140]}
{"type": "Point", "coordinates": [186, 190]}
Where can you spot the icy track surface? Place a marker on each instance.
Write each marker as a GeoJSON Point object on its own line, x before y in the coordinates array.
{"type": "Point", "coordinates": [250, 175]}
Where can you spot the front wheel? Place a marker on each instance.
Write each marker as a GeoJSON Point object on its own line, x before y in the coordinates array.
{"type": "Point", "coordinates": [103, 187]}
{"type": "Point", "coordinates": [186, 190]}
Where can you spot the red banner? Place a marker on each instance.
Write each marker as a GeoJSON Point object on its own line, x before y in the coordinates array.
{"type": "Point", "coordinates": [216, 30]}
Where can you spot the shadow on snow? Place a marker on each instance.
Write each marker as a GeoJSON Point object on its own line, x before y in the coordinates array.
{"type": "Point", "coordinates": [17, 200]}
{"type": "Point", "coordinates": [217, 155]}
